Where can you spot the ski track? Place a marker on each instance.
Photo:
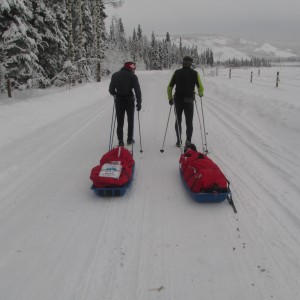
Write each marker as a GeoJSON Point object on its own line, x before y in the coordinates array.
{"type": "Point", "coordinates": [261, 153]}
{"type": "Point", "coordinates": [61, 241]}
{"type": "Point", "coordinates": [279, 188]}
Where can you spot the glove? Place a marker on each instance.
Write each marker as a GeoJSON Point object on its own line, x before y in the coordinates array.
{"type": "Point", "coordinates": [171, 102]}
{"type": "Point", "coordinates": [138, 107]}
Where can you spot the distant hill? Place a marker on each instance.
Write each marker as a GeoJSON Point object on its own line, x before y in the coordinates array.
{"type": "Point", "coordinates": [225, 47]}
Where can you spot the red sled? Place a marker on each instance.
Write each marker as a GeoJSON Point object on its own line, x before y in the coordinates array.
{"type": "Point", "coordinates": [203, 179]}
{"type": "Point", "coordinates": [114, 174]}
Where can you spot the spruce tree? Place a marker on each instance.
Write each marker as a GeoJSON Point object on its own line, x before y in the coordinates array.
{"type": "Point", "coordinates": [52, 45]}
{"type": "Point", "coordinates": [133, 46]}
{"type": "Point", "coordinates": [168, 39]}
{"type": "Point", "coordinates": [87, 38]}
{"type": "Point", "coordinates": [18, 42]}
{"type": "Point", "coordinates": [71, 48]}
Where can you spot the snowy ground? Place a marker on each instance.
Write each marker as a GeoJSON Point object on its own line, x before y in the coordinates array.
{"type": "Point", "coordinates": [58, 240]}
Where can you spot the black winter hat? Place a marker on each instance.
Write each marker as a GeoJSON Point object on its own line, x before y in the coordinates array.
{"type": "Point", "coordinates": [187, 61]}
{"type": "Point", "coordinates": [190, 146]}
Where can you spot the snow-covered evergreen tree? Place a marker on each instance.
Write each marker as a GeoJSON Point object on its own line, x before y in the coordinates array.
{"type": "Point", "coordinates": [98, 51]}
{"type": "Point", "coordinates": [104, 39]}
{"type": "Point", "coordinates": [88, 31]}
{"type": "Point", "coordinates": [71, 48]}
{"type": "Point", "coordinates": [112, 35]}
{"type": "Point", "coordinates": [52, 44]}
{"type": "Point", "coordinates": [3, 64]}
{"type": "Point", "coordinates": [120, 36]}
{"type": "Point", "coordinates": [133, 46]}
{"type": "Point", "coordinates": [153, 53]}
{"type": "Point", "coordinates": [139, 33]}
{"type": "Point", "coordinates": [168, 52]}
{"type": "Point", "coordinates": [19, 43]}
{"type": "Point", "coordinates": [80, 51]}
{"type": "Point", "coordinates": [180, 50]}
{"type": "Point", "coordinates": [141, 43]}
{"type": "Point", "coordinates": [83, 33]}
{"type": "Point", "coordinates": [60, 41]}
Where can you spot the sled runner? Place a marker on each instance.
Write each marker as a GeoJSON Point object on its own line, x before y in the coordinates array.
{"type": "Point", "coordinates": [203, 179]}
{"type": "Point", "coordinates": [113, 191]}
{"type": "Point", "coordinates": [208, 196]}
{"type": "Point", "coordinates": [114, 174]}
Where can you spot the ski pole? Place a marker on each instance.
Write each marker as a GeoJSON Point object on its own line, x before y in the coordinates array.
{"type": "Point", "coordinates": [179, 133]}
{"type": "Point", "coordinates": [201, 131]}
{"type": "Point", "coordinates": [140, 133]}
{"type": "Point", "coordinates": [132, 147]}
{"type": "Point", "coordinates": [113, 133]}
{"type": "Point", "coordinates": [162, 149]}
{"type": "Point", "coordinates": [111, 126]}
{"type": "Point", "coordinates": [205, 133]}
{"type": "Point", "coordinates": [114, 130]}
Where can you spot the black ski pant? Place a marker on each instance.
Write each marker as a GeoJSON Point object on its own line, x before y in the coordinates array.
{"type": "Point", "coordinates": [185, 105]}
{"type": "Point", "coordinates": [122, 106]}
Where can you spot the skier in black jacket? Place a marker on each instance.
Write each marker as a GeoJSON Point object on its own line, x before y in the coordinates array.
{"type": "Point", "coordinates": [185, 79]}
{"type": "Point", "coordinates": [121, 87]}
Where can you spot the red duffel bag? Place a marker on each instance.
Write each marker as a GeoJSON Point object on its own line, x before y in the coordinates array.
{"type": "Point", "coordinates": [115, 169]}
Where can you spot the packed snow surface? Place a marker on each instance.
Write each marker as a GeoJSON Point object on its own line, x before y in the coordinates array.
{"type": "Point", "coordinates": [60, 241]}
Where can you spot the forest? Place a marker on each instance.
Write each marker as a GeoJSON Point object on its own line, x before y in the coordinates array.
{"type": "Point", "coordinates": [59, 42]}
{"type": "Point", "coordinates": [55, 42]}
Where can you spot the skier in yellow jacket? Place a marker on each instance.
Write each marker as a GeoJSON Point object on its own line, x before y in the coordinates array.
{"type": "Point", "coordinates": [185, 80]}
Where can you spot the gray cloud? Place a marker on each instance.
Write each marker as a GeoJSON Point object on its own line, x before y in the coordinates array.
{"type": "Point", "coordinates": [255, 18]}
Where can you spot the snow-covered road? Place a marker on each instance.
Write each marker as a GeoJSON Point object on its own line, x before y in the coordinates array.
{"type": "Point", "coordinates": [58, 240]}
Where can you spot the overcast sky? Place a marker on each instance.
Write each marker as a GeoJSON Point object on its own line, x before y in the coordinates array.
{"type": "Point", "coordinates": [252, 18]}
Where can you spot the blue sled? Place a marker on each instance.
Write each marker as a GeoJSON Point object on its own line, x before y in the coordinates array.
{"type": "Point", "coordinates": [210, 197]}
{"type": "Point", "coordinates": [113, 191]}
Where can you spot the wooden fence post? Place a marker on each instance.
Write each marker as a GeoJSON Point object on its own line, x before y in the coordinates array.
{"type": "Point", "coordinates": [258, 73]}
{"type": "Point", "coordinates": [251, 77]}
{"type": "Point", "coordinates": [69, 81]}
{"type": "Point", "coordinates": [277, 79]}
{"type": "Point", "coordinates": [229, 73]}
{"type": "Point", "coordinates": [8, 88]}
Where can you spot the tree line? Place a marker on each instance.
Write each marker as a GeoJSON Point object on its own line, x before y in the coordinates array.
{"type": "Point", "coordinates": [255, 62]}
{"type": "Point", "coordinates": [45, 42]}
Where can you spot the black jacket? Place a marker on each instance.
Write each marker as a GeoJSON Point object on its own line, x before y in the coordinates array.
{"type": "Point", "coordinates": [122, 83]}
{"type": "Point", "coordinates": [185, 80]}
